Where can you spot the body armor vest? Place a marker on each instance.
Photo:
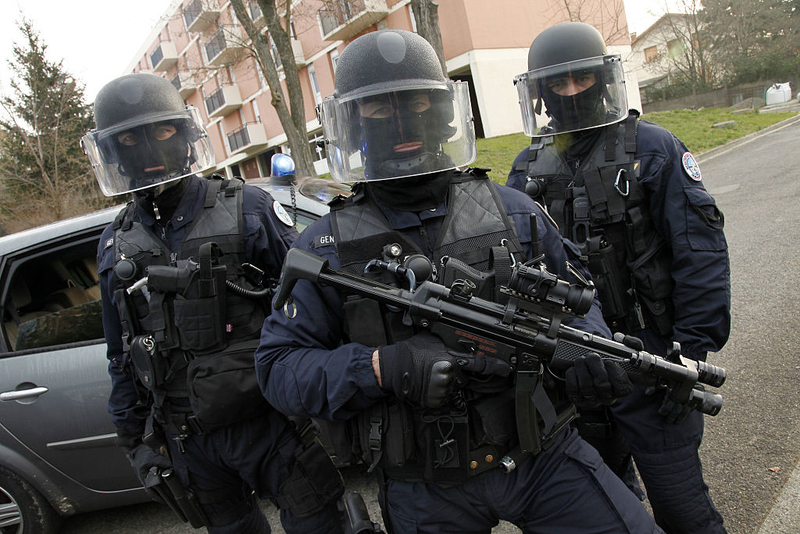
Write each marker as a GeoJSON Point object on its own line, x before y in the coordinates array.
{"type": "Point", "coordinates": [603, 209]}
{"type": "Point", "coordinates": [165, 331]}
{"type": "Point", "coordinates": [470, 434]}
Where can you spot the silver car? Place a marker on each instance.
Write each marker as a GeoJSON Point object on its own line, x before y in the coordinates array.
{"type": "Point", "coordinates": [57, 452]}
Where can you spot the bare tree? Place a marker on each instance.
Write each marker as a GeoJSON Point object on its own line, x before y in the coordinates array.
{"type": "Point", "coordinates": [426, 14]}
{"type": "Point", "coordinates": [278, 17]}
{"type": "Point", "coordinates": [606, 16]}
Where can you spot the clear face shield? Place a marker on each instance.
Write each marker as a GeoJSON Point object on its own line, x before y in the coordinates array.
{"type": "Point", "coordinates": [149, 151]}
{"type": "Point", "coordinates": [398, 134]}
{"type": "Point", "coordinates": [572, 96]}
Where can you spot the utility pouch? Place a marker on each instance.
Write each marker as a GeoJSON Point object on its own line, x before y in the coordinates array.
{"type": "Point", "coordinates": [611, 289]}
{"type": "Point", "coordinates": [149, 366]}
{"type": "Point", "coordinates": [223, 387]}
{"type": "Point", "coordinates": [446, 439]}
{"type": "Point", "coordinates": [200, 324]}
{"type": "Point", "coordinates": [199, 310]}
{"type": "Point", "coordinates": [386, 434]}
{"type": "Point", "coordinates": [313, 483]}
{"type": "Point", "coordinates": [493, 419]}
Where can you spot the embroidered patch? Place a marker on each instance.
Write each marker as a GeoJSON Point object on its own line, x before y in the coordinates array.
{"type": "Point", "coordinates": [109, 242]}
{"type": "Point", "coordinates": [691, 167]}
{"type": "Point", "coordinates": [323, 241]}
{"type": "Point", "coordinates": [280, 212]}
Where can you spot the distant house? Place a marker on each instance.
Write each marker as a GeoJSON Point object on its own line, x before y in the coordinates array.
{"type": "Point", "coordinates": [653, 51]}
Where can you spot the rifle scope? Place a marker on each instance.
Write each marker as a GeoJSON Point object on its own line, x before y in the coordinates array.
{"type": "Point", "coordinates": [539, 284]}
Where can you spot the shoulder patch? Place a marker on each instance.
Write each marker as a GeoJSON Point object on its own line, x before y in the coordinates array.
{"type": "Point", "coordinates": [281, 214]}
{"type": "Point", "coordinates": [109, 243]}
{"type": "Point", "coordinates": [691, 167]}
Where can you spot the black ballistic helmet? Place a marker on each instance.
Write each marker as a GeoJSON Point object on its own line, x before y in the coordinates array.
{"type": "Point", "coordinates": [394, 67]}
{"type": "Point", "coordinates": [142, 105]}
{"type": "Point", "coordinates": [563, 43]}
{"type": "Point", "coordinates": [571, 50]}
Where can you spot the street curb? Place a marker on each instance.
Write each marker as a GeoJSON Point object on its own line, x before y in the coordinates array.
{"type": "Point", "coordinates": [731, 145]}
{"type": "Point", "coordinates": [782, 517]}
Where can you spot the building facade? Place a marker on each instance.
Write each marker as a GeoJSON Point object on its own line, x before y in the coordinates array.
{"type": "Point", "coordinates": [201, 47]}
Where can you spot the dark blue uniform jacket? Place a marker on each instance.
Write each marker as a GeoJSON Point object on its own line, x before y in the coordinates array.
{"type": "Point", "coordinates": [266, 238]}
{"type": "Point", "coordinates": [700, 266]}
{"type": "Point", "coordinates": [303, 366]}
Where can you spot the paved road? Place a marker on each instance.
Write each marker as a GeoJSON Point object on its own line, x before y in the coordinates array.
{"type": "Point", "coordinates": [751, 449]}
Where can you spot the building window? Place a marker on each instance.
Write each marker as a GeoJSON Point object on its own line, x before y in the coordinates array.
{"type": "Point", "coordinates": [334, 59]}
{"type": "Point", "coordinates": [674, 48]}
{"type": "Point", "coordinates": [650, 54]}
{"type": "Point", "coordinates": [312, 76]}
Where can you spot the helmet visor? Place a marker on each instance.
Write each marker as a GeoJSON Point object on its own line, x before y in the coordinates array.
{"type": "Point", "coordinates": [572, 96]}
{"type": "Point", "coordinates": [152, 150]}
{"type": "Point", "coordinates": [396, 134]}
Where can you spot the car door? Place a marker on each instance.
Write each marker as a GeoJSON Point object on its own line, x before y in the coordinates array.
{"type": "Point", "coordinates": [54, 383]}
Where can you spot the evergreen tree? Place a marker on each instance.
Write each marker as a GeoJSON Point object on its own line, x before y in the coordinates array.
{"type": "Point", "coordinates": [44, 173]}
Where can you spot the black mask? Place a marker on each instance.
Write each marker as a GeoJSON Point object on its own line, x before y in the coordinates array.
{"type": "Point", "coordinates": [582, 110]}
{"type": "Point", "coordinates": [150, 160]}
{"type": "Point", "coordinates": [404, 143]}
{"type": "Point", "coordinates": [415, 193]}
{"type": "Point", "coordinates": [164, 199]}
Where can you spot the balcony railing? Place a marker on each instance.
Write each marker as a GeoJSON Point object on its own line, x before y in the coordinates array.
{"type": "Point", "coordinates": [184, 83]}
{"type": "Point", "coordinates": [256, 15]}
{"type": "Point", "coordinates": [223, 101]}
{"type": "Point", "coordinates": [164, 56]}
{"type": "Point", "coordinates": [248, 136]}
{"type": "Point", "coordinates": [223, 46]}
{"type": "Point", "coordinates": [342, 19]}
{"type": "Point", "coordinates": [199, 14]}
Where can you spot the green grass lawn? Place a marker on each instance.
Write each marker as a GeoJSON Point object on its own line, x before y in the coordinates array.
{"type": "Point", "coordinates": [694, 128]}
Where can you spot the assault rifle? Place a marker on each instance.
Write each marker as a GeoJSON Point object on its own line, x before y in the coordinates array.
{"type": "Point", "coordinates": [526, 333]}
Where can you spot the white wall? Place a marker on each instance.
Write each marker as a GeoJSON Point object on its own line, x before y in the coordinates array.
{"type": "Point", "coordinates": [493, 74]}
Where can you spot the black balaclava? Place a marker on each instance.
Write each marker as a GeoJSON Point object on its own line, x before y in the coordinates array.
{"type": "Point", "coordinates": [384, 139]}
{"type": "Point", "coordinates": [150, 160]}
{"type": "Point", "coordinates": [161, 201]}
{"type": "Point", "coordinates": [581, 110]}
{"type": "Point", "coordinates": [415, 193]}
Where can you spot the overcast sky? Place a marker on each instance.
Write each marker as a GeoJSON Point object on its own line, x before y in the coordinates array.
{"type": "Point", "coordinates": [98, 39]}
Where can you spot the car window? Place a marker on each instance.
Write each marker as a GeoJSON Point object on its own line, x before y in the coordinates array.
{"type": "Point", "coordinates": [52, 297]}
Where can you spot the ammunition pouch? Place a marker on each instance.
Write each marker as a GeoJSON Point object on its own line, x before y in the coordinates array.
{"type": "Point", "coordinates": [200, 310]}
{"type": "Point", "coordinates": [223, 387]}
{"type": "Point", "coordinates": [611, 284]}
{"type": "Point", "coordinates": [313, 484]}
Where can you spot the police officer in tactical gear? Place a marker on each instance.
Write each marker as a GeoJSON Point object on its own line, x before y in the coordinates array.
{"type": "Point", "coordinates": [432, 427]}
{"type": "Point", "coordinates": [631, 196]}
{"type": "Point", "coordinates": [183, 270]}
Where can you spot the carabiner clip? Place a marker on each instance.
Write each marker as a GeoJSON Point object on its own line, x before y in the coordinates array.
{"type": "Point", "coordinates": [627, 184]}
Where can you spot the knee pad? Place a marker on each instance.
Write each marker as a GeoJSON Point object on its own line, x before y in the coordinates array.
{"type": "Point", "coordinates": [313, 484]}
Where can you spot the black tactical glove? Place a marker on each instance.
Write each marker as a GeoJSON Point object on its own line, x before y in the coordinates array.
{"type": "Point", "coordinates": [673, 412]}
{"type": "Point", "coordinates": [421, 369]}
{"type": "Point", "coordinates": [142, 458]}
{"type": "Point", "coordinates": [592, 381]}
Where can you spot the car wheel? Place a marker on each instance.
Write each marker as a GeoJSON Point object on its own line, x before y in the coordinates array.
{"type": "Point", "coordinates": [23, 510]}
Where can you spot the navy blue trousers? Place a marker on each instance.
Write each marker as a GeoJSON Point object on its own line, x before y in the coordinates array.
{"type": "Point", "coordinates": [227, 466]}
{"type": "Point", "coordinates": [668, 461]}
{"type": "Point", "coordinates": [563, 490]}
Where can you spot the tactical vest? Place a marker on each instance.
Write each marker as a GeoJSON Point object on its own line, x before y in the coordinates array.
{"type": "Point", "coordinates": [603, 209]}
{"type": "Point", "coordinates": [470, 435]}
{"type": "Point", "coordinates": [171, 336]}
